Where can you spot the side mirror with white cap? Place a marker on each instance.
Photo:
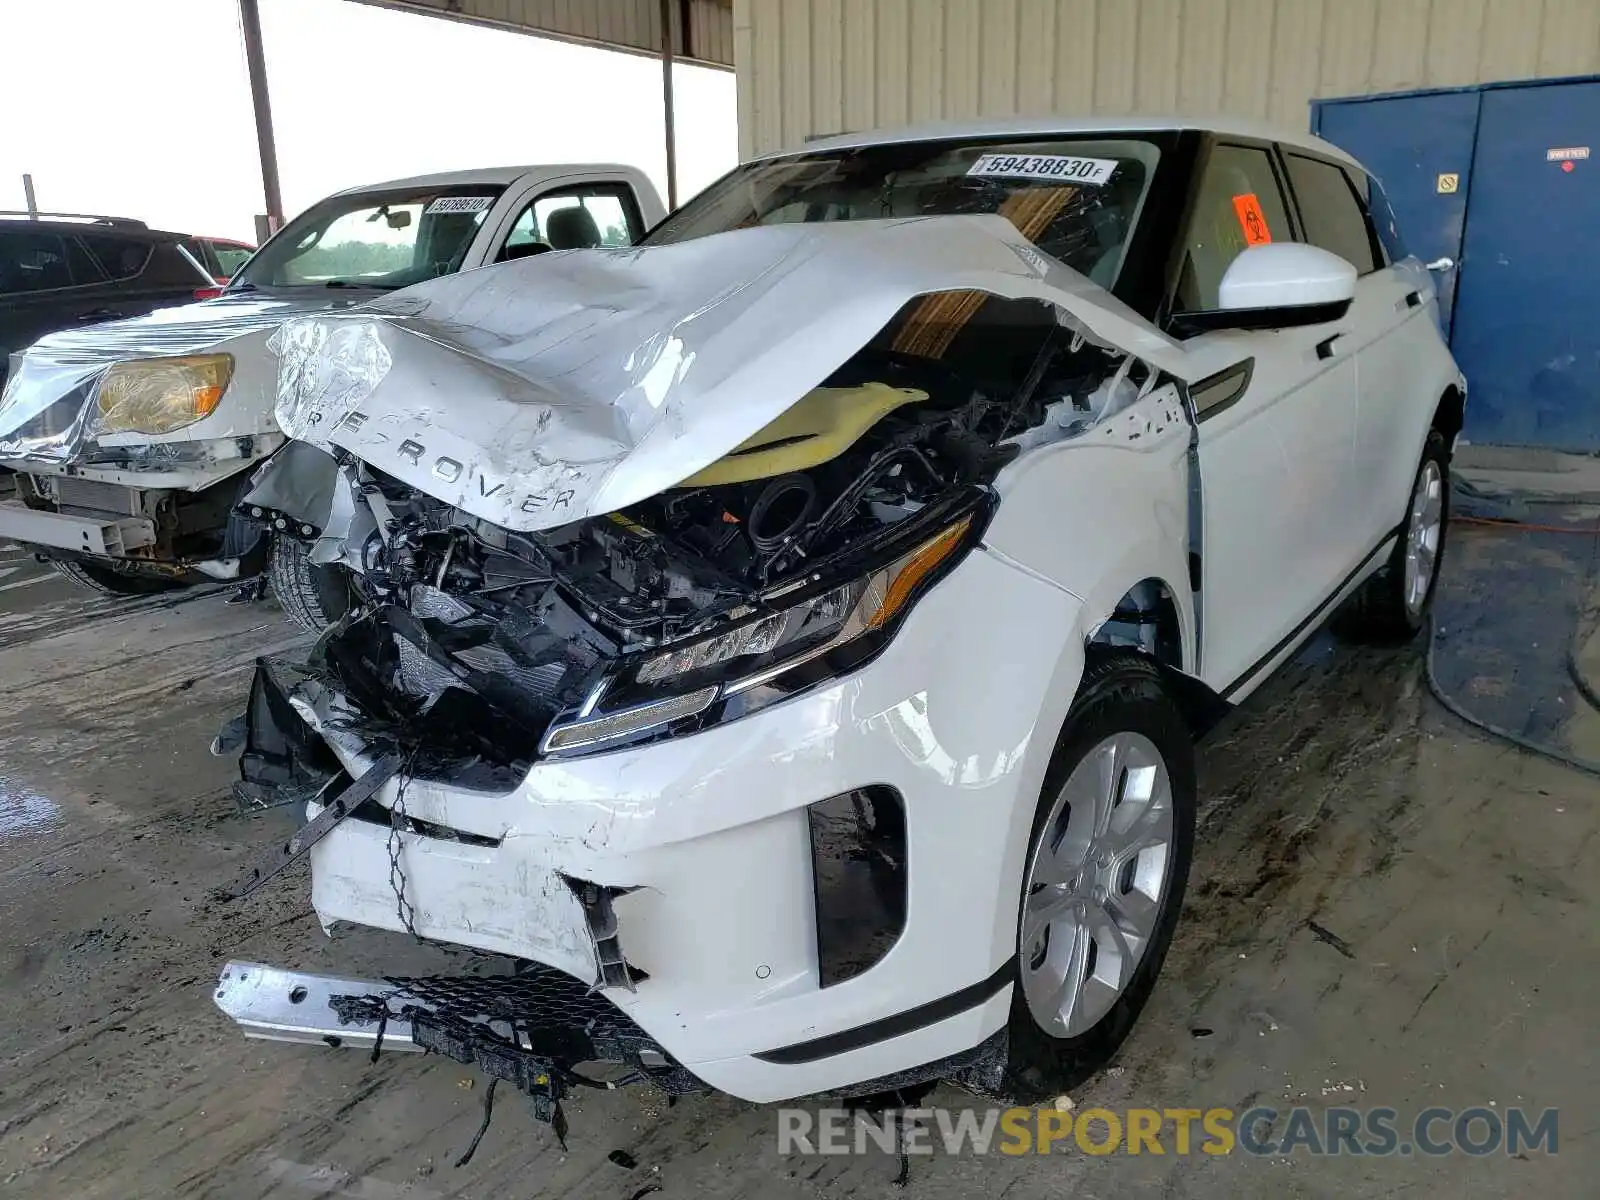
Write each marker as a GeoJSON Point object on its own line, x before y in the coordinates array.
{"type": "Point", "coordinates": [1277, 286]}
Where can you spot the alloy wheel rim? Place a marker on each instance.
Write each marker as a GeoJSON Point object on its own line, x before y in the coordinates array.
{"type": "Point", "coordinates": [1096, 884]}
{"type": "Point", "coordinates": [1422, 534]}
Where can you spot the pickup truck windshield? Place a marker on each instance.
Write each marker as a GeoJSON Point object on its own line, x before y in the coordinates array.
{"type": "Point", "coordinates": [381, 240]}
{"type": "Point", "coordinates": [1077, 199]}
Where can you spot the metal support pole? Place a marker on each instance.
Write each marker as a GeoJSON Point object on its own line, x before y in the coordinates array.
{"type": "Point", "coordinates": [28, 196]}
{"type": "Point", "coordinates": [256, 60]}
{"type": "Point", "coordinates": [666, 104]}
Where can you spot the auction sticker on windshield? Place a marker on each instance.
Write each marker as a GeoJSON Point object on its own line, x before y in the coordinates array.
{"type": "Point", "coordinates": [460, 204]}
{"type": "Point", "coordinates": [1060, 167]}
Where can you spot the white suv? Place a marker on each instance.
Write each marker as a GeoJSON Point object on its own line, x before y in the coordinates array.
{"type": "Point", "coordinates": [783, 641]}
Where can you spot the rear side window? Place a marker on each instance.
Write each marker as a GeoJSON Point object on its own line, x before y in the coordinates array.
{"type": "Point", "coordinates": [33, 260]}
{"type": "Point", "coordinates": [1333, 216]}
{"type": "Point", "coordinates": [1240, 204]}
{"type": "Point", "coordinates": [119, 258]}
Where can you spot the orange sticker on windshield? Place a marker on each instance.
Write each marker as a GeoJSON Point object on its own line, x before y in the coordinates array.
{"type": "Point", "coordinates": [1252, 220]}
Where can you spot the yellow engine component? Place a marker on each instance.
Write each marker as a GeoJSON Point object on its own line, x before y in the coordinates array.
{"type": "Point", "coordinates": [821, 426]}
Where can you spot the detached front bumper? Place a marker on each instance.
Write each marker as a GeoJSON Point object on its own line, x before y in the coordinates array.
{"type": "Point", "coordinates": [725, 860]}
{"type": "Point", "coordinates": [531, 1029]}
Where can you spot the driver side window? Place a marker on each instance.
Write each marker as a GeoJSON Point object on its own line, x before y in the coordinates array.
{"type": "Point", "coordinates": [573, 218]}
{"type": "Point", "coordinates": [1240, 204]}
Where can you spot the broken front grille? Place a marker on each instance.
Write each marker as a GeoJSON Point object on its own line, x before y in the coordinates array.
{"type": "Point", "coordinates": [531, 1029]}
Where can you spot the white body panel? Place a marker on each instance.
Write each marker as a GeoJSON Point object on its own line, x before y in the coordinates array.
{"type": "Point", "coordinates": [1299, 479]}
{"type": "Point", "coordinates": [572, 385]}
{"type": "Point", "coordinates": [958, 715]}
{"type": "Point", "coordinates": [1398, 356]}
{"type": "Point", "coordinates": [1064, 512]}
{"type": "Point", "coordinates": [1274, 468]}
{"type": "Point", "coordinates": [716, 841]}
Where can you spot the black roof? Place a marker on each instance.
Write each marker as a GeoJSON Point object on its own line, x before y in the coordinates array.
{"type": "Point", "coordinates": [80, 222]}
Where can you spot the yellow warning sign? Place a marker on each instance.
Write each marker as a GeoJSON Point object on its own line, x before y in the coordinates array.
{"type": "Point", "coordinates": [1449, 182]}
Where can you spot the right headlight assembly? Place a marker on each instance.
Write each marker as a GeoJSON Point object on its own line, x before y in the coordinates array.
{"type": "Point", "coordinates": [810, 632]}
{"type": "Point", "coordinates": [161, 395]}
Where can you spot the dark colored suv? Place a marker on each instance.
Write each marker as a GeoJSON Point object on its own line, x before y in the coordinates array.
{"type": "Point", "coordinates": [60, 270]}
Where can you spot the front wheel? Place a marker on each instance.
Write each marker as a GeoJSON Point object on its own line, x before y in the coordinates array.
{"type": "Point", "coordinates": [115, 580]}
{"type": "Point", "coordinates": [312, 595]}
{"type": "Point", "coordinates": [1112, 841]}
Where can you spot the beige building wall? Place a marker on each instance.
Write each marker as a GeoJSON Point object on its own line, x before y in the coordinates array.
{"type": "Point", "coordinates": [820, 66]}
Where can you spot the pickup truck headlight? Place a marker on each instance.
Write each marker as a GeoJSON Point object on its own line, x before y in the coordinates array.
{"type": "Point", "coordinates": [828, 629]}
{"type": "Point", "coordinates": [159, 395]}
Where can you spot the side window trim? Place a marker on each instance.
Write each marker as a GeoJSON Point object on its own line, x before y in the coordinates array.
{"type": "Point", "coordinates": [1380, 206]}
{"type": "Point", "coordinates": [1380, 252]}
{"type": "Point", "coordinates": [1280, 168]}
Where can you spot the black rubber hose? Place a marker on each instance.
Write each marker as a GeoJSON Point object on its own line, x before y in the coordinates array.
{"type": "Point", "coordinates": [1516, 739]}
{"type": "Point", "coordinates": [1585, 689]}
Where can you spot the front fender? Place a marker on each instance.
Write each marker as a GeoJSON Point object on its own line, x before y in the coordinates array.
{"type": "Point", "coordinates": [1101, 512]}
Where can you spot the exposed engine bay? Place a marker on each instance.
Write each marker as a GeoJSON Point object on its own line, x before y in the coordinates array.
{"type": "Point", "coordinates": [482, 643]}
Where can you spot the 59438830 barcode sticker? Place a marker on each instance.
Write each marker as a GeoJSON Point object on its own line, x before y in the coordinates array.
{"type": "Point", "coordinates": [460, 204]}
{"type": "Point", "coordinates": [1060, 168]}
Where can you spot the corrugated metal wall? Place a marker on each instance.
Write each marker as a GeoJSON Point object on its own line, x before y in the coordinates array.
{"type": "Point", "coordinates": [617, 24]}
{"type": "Point", "coordinates": [820, 66]}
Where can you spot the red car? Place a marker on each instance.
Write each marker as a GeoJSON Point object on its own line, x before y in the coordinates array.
{"type": "Point", "coordinates": [220, 257]}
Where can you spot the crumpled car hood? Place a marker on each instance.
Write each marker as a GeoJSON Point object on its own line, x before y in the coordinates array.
{"type": "Point", "coordinates": [569, 385]}
{"type": "Point", "coordinates": [61, 366]}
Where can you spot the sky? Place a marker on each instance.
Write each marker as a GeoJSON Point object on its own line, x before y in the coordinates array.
{"type": "Point", "coordinates": [359, 95]}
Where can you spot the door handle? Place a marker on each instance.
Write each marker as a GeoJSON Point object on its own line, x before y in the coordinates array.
{"type": "Point", "coordinates": [1326, 348]}
{"type": "Point", "coordinates": [98, 314]}
{"type": "Point", "coordinates": [1441, 264]}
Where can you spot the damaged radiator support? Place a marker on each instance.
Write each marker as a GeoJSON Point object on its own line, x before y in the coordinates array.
{"type": "Point", "coordinates": [314, 830]}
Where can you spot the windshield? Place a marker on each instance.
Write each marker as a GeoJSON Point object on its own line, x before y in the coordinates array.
{"type": "Point", "coordinates": [1078, 199]}
{"type": "Point", "coordinates": [382, 240]}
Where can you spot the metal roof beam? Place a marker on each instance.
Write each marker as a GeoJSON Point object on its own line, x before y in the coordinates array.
{"type": "Point", "coordinates": [702, 31]}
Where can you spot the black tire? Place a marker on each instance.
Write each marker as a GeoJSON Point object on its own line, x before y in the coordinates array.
{"type": "Point", "coordinates": [1378, 612]}
{"type": "Point", "coordinates": [114, 581]}
{"type": "Point", "coordinates": [311, 595]}
{"type": "Point", "coordinates": [1120, 693]}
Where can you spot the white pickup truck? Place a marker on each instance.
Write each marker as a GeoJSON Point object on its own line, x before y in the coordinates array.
{"type": "Point", "coordinates": [133, 440]}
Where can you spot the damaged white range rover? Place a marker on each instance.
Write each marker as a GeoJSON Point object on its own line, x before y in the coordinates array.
{"type": "Point", "coordinates": [780, 644]}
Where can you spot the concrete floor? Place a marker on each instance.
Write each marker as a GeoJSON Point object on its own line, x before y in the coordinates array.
{"type": "Point", "coordinates": [1455, 876]}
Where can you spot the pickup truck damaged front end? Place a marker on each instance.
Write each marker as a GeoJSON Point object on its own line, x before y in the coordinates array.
{"type": "Point", "coordinates": [662, 672]}
{"type": "Point", "coordinates": [130, 439]}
